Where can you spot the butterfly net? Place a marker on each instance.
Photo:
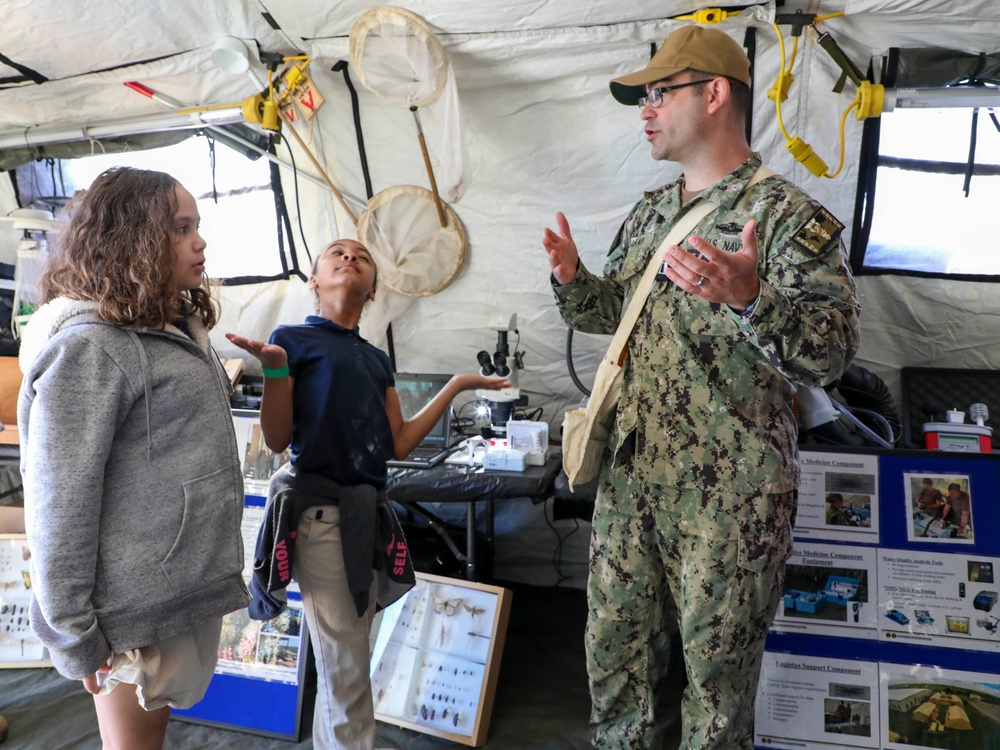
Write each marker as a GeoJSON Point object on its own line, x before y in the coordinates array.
{"type": "Point", "coordinates": [415, 255]}
{"type": "Point", "coordinates": [400, 59]}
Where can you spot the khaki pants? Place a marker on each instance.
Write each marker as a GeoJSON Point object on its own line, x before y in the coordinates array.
{"type": "Point", "coordinates": [345, 716]}
{"type": "Point", "coordinates": [664, 561]}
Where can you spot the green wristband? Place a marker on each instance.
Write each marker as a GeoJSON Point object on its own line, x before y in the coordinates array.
{"type": "Point", "coordinates": [278, 372]}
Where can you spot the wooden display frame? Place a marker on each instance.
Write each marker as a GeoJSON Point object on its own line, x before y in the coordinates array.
{"type": "Point", "coordinates": [436, 658]}
{"type": "Point", "coordinates": [19, 648]}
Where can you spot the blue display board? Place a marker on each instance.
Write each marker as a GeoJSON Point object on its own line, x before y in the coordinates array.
{"type": "Point", "coordinates": [258, 706]}
{"type": "Point", "coordinates": [888, 631]}
{"type": "Point", "coordinates": [259, 682]}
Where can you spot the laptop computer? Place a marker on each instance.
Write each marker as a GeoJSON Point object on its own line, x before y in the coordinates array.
{"type": "Point", "coordinates": [415, 391]}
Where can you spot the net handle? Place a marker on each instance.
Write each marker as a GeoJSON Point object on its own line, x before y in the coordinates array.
{"type": "Point", "coordinates": [323, 174]}
{"type": "Point", "coordinates": [430, 171]}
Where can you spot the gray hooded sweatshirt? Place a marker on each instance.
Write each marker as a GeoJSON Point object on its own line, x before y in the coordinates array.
{"type": "Point", "coordinates": [132, 484]}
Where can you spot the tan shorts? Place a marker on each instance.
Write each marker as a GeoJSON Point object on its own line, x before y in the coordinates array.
{"type": "Point", "coordinates": [174, 672]}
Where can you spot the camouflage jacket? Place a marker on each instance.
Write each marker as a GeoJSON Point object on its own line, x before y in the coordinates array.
{"type": "Point", "coordinates": [708, 392]}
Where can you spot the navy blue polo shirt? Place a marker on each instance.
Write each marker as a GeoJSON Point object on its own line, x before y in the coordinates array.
{"type": "Point", "coordinates": [339, 426]}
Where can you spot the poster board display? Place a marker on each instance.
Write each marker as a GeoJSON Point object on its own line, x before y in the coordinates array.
{"type": "Point", "coordinates": [920, 668]}
{"type": "Point", "coordinates": [838, 498]}
{"type": "Point", "coordinates": [933, 707]}
{"type": "Point", "coordinates": [259, 681]}
{"type": "Point", "coordinates": [436, 658]}
{"type": "Point", "coordinates": [879, 696]}
{"type": "Point", "coordinates": [972, 507]}
{"type": "Point", "coordinates": [258, 461]}
{"type": "Point", "coordinates": [948, 601]}
{"type": "Point", "coordinates": [19, 648]}
{"type": "Point", "coordinates": [829, 590]}
{"type": "Point", "coordinates": [817, 702]}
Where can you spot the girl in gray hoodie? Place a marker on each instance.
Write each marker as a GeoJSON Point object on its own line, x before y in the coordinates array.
{"type": "Point", "coordinates": [132, 483]}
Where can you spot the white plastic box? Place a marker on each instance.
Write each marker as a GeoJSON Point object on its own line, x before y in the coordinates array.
{"type": "Point", "coordinates": [531, 438]}
{"type": "Point", "coordinates": [504, 459]}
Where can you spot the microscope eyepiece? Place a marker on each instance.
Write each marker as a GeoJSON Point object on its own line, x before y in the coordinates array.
{"type": "Point", "coordinates": [486, 366]}
{"type": "Point", "coordinates": [500, 364]}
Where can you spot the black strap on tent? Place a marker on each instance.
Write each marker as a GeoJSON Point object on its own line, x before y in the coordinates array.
{"type": "Point", "coordinates": [32, 75]}
{"type": "Point", "coordinates": [341, 67]}
{"type": "Point", "coordinates": [750, 43]}
{"type": "Point", "coordinates": [211, 165]}
{"type": "Point", "coordinates": [864, 202]}
{"type": "Point", "coordinates": [970, 163]}
{"type": "Point", "coordinates": [284, 225]}
{"type": "Point", "coordinates": [298, 205]}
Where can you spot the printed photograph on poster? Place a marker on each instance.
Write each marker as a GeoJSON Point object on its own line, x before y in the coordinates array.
{"type": "Point", "coordinates": [260, 462]}
{"type": "Point", "coordinates": [257, 461]}
{"type": "Point", "coordinates": [947, 599]}
{"type": "Point", "coordinates": [935, 708]}
{"type": "Point", "coordinates": [828, 590]}
{"type": "Point", "coordinates": [838, 497]}
{"type": "Point", "coordinates": [268, 650]}
{"type": "Point", "coordinates": [813, 702]}
{"type": "Point", "coordinates": [940, 508]}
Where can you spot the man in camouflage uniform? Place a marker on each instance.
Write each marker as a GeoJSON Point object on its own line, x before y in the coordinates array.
{"type": "Point", "coordinates": [692, 524]}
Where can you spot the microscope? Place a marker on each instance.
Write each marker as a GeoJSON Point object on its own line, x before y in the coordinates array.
{"type": "Point", "coordinates": [499, 405]}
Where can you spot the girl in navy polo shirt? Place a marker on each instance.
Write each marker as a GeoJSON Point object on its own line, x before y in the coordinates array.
{"type": "Point", "coordinates": [330, 395]}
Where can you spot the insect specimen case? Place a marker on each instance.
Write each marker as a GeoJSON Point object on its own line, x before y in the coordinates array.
{"type": "Point", "coordinates": [18, 645]}
{"type": "Point", "coordinates": [436, 658]}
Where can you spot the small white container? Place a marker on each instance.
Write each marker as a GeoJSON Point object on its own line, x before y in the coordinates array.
{"type": "Point", "coordinates": [531, 438]}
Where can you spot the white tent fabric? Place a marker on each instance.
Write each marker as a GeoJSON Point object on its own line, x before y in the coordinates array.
{"type": "Point", "coordinates": [541, 133]}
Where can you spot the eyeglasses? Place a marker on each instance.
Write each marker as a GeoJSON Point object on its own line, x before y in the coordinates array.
{"type": "Point", "coordinates": [655, 96]}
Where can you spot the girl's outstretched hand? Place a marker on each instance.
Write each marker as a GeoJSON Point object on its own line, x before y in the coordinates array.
{"type": "Point", "coordinates": [470, 381]}
{"type": "Point", "coordinates": [272, 357]}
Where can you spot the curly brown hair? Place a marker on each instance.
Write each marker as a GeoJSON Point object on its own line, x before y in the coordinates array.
{"type": "Point", "coordinates": [117, 250]}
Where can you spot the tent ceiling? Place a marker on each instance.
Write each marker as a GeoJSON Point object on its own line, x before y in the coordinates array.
{"type": "Point", "coordinates": [541, 130]}
{"type": "Point", "coordinates": [53, 40]}
{"type": "Point", "coordinates": [61, 39]}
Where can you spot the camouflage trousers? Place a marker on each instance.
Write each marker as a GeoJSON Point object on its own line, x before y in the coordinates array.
{"type": "Point", "coordinates": [666, 562]}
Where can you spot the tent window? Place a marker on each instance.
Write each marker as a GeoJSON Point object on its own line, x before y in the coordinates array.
{"type": "Point", "coordinates": [931, 214]}
{"type": "Point", "coordinates": [236, 201]}
{"type": "Point", "coordinates": [929, 178]}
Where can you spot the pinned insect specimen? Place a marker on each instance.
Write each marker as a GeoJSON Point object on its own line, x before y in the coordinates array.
{"type": "Point", "coordinates": [445, 605]}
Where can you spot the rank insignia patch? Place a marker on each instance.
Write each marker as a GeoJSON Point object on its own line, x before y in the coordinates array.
{"type": "Point", "coordinates": [817, 234]}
